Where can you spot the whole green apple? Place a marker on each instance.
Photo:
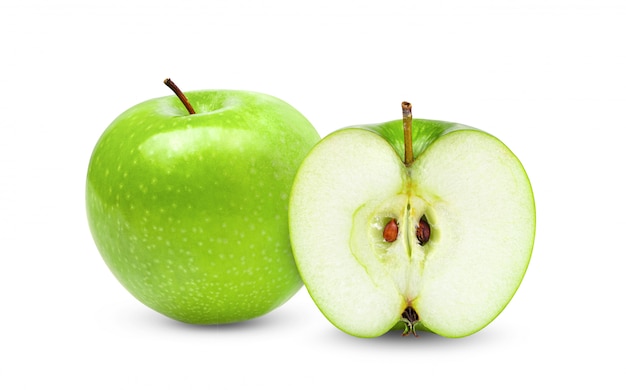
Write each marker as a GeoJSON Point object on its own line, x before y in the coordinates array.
{"type": "Point", "coordinates": [421, 224]}
{"type": "Point", "coordinates": [187, 202]}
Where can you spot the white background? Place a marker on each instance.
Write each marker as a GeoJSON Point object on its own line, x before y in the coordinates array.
{"type": "Point", "coordinates": [545, 76]}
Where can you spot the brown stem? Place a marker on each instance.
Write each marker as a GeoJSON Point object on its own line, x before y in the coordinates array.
{"type": "Point", "coordinates": [407, 124]}
{"type": "Point", "coordinates": [180, 95]}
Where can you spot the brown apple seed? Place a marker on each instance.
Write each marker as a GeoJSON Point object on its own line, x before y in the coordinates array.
{"type": "Point", "coordinates": [423, 231]}
{"type": "Point", "coordinates": [390, 233]}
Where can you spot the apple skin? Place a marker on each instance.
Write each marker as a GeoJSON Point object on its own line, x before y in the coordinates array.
{"type": "Point", "coordinates": [189, 212]}
{"type": "Point", "coordinates": [370, 311]}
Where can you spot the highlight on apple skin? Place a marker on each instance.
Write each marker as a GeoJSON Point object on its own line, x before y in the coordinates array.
{"type": "Point", "coordinates": [412, 224]}
{"type": "Point", "coordinates": [187, 202]}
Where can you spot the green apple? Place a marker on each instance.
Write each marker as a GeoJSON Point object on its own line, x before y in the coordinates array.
{"type": "Point", "coordinates": [418, 224]}
{"type": "Point", "coordinates": [189, 211]}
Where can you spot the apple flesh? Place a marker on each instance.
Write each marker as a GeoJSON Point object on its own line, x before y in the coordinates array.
{"type": "Point", "coordinates": [439, 245]}
{"type": "Point", "coordinates": [189, 212]}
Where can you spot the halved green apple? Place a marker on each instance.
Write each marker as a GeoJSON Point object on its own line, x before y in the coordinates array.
{"type": "Point", "coordinates": [438, 241]}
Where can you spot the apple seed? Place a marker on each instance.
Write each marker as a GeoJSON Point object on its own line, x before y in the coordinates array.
{"type": "Point", "coordinates": [423, 231]}
{"type": "Point", "coordinates": [390, 233]}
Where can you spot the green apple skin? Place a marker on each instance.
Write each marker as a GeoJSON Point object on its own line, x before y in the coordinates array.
{"type": "Point", "coordinates": [370, 311]}
{"type": "Point", "coordinates": [189, 212]}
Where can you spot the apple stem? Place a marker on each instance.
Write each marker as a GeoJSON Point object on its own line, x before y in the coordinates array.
{"type": "Point", "coordinates": [180, 95]}
{"type": "Point", "coordinates": [407, 124]}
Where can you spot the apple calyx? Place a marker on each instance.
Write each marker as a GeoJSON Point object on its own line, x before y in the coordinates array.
{"type": "Point", "coordinates": [410, 318]}
{"type": "Point", "coordinates": [180, 95]}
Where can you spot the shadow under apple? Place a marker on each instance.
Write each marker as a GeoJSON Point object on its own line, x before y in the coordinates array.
{"type": "Point", "coordinates": [395, 339]}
